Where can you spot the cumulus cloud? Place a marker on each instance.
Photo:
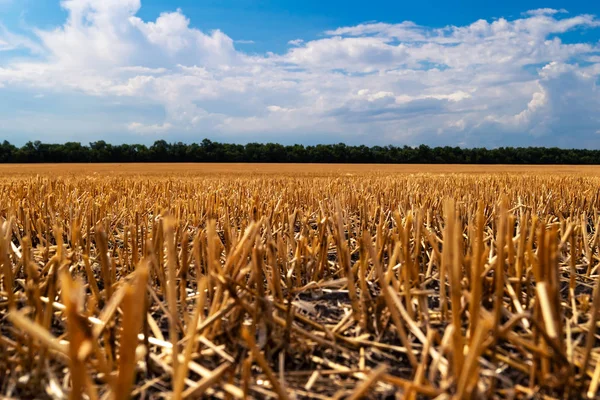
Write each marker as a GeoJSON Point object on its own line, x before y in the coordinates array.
{"type": "Point", "coordinates": [565, 104]}
{"type": "Point", "coordinates": [512, 81]}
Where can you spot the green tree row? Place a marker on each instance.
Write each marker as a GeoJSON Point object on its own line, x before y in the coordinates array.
{"type": "Point", "coordinates": [209, 151]}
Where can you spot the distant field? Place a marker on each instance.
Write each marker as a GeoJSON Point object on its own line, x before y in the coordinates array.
{"type": "Point", "coordinates": [310, 169]}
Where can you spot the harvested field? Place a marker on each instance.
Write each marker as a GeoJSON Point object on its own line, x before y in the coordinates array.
{"type": "Point", "coordinates": [299, 281]}
{"type": "Point", "coordinates": [310, 170]}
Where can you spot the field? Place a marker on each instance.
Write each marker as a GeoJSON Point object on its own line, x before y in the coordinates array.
{"type": "Point", "coordinates": [291, 281]}
{"type": "Point", "coordinates": [311, 170]}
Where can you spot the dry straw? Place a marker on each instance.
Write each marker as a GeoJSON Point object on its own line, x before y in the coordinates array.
{"type": "Point", "coordinates": [300, 284]}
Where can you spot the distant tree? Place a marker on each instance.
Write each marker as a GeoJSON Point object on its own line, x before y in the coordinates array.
{"type": "Point", "coordinates": [159, 151]}
{"type": "Point", "coordinates": [209, 151]}
{"type": "Point", "coordinates": [7, 152]}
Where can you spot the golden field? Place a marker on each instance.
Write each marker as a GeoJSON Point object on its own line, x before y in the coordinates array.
{"type": "Point", "coordinates": [299, 281]}
{"type": "Point", "coordinates": [168, 169]}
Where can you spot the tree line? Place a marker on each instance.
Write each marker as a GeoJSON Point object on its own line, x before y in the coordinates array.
{"type": "Point", "coordinates": [209, 151]}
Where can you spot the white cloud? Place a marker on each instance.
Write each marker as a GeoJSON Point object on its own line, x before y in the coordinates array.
{"type": "Point", "coordinates": [277, 109]}
{"type": "Point", "coordinates": [143, 70]}
{"type": "Point", "coordinates": [567, 101]}
{"type": "Point", "coordinates": [406, 30]}
{"type": "Point", "coordinates": [172, 34]}
{"type": "Point", "coordinates": [139, 127]}
{"type": "Point", "coordinates": [387, 82]}
{"type": "Point", "coordinates": [545, 11]}
{"type": "Point", "coordinates": [11, 41]}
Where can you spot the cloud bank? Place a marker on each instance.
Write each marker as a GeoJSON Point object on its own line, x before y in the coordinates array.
{"type": "Point", "coordinates": [490, 83]}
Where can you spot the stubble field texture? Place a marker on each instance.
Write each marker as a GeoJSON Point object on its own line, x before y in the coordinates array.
{"type": "Point", "coordinates": [235, 281]}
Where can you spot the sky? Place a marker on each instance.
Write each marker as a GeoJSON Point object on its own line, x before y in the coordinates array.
{"type": "Point", "coordinates": [458, 73]}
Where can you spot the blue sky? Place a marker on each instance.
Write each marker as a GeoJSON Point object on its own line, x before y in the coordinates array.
{"type": "Point", "coordinates": [466, 73]}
